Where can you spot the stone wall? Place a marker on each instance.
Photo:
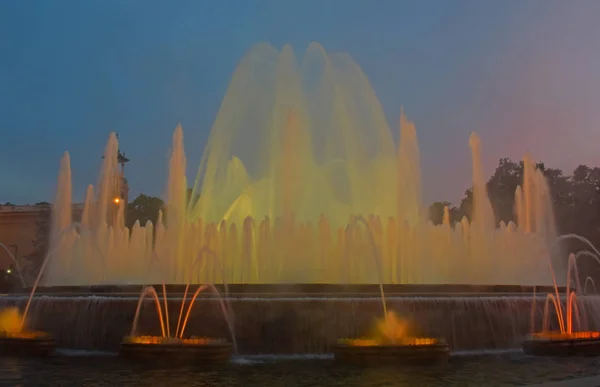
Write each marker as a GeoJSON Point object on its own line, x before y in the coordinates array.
{"type": "Point", "coordinates": [294, 325]}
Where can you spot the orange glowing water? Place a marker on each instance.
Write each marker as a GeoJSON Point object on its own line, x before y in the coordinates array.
{"type": "Point", "coordinates": [405, 341]}
{"type": "Point", "coordinates": [26, 335]}
{"type": "Point", "coordinates": [163, 318]}
{"type": "Point", "coordinates": [10, 320]}
{"type": "Point", "coordinates": [11, 326]}
{"type": "Point", "coordinates": [172, 340]}
{"type": "Point", "coordinates": [572, 320]}
{"type": "Point", "coordinates": [391, 330]}
{"type": "Point", "coordinates": [551, 335]}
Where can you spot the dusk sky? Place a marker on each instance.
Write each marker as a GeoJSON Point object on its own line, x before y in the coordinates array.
{"type": "Point", "coordinates": [523, 74]}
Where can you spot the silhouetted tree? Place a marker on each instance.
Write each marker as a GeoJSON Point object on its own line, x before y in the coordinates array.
{"type": "Point", "coordinates": [575, 198]}
{"type": "Point", "coordinates": [502, 185]}
{"type": "Point", "coordinates": [584, 203]}
{"type": "Point", "coordinates": [436, 213]}
{"type": "Point", "coordinates": [144, 208]}
{"type": "Point", "coordinates": [501, 189]}
{"type": "Point", "coordinates": [466, 204]}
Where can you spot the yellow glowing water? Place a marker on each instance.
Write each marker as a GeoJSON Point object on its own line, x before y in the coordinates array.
{"type": "Point", "coordinates": [392, 329]}
{"type": "Point", "coordinates": [296, 150]}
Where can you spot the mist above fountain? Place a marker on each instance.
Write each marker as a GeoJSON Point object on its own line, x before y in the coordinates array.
{"type": "Point", "coordinates": [296, 150]}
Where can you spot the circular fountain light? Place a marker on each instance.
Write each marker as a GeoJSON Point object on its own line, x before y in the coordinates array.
{"type": "Point", "coordinates": [408, 350]}
{"type": "Point", "coordinates": [584, 343]}
{"type": "Point", "coordinates": [200, 350]}
{"type": "Point", "coordinates": [26, 343]}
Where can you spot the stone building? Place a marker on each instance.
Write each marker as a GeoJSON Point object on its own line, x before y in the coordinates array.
{"type": "Point", "coordinates": [19, 227]}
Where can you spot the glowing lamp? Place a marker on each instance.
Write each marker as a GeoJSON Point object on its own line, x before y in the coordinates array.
{"type": "Point", "coordinates": [117, 200]}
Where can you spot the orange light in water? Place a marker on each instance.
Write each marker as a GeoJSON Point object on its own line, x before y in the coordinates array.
{"type": "Point", "coordinates": [566, 336]}
{"type": "Point", "coordinates": [171, 340]}
{"type": "Point", "coordinates": [362, 342]}
{"type": "Point", "coordinates": [26, 335]}
{"type": "Point", "coordinates": [392, 330]}
{"type": "Point", "coordinates": [10, 320]}
{"type": "Point", "coordinates": [413, 341]}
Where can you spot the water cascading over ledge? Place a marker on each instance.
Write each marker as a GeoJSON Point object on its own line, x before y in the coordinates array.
{"type": "Point", "coordinates": [296, 325]}
{"type": "Point", "coordinates": [296, 150]}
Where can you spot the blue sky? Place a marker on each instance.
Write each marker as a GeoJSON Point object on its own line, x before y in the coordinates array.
{"type": "Point", "coordinates": [524, 74]}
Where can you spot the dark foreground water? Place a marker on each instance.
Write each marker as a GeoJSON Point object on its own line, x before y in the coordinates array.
{"type": "Point", "coordinates": [85, 369]}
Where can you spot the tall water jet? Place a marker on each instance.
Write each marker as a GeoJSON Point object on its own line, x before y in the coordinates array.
{"type": "Point", "coordinates": [61, 213]}
{"type": "Point", "coordinates": [535, 219]}
{"type": "Point", "coordinates": [107, 184]}
{"type": "Point", "coordinates": [409, 173]}
{"type": "Point", "coordinates": [483, 215]}
{"type": "Point", "coordinates": [529, 187]}
{"type": "Point", "coordinates": [176, 206]}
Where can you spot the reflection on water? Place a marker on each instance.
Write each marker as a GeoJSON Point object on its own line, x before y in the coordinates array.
{"type": "Point", "coordinates": [79, 369]}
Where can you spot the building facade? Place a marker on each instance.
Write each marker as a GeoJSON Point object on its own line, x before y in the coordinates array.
{"type": "Point", "coordinates": [19, 227]}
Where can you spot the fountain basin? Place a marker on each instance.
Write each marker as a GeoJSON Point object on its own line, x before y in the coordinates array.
{"type": "Point", "coordinates": [563, 344]}
{"type": "Point", "coordinates": [28, 344]}
{"type": "Point", "coordinates": [197, 350]}
{"type": "Point", "coordinates": [373, 352]}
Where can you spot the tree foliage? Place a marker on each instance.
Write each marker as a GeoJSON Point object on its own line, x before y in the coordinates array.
{"type": "Point", "coordinates": [143, 208]}
{"type": "Point", "coordinates": [576, 198]}
{"type": "Point", "coordinates": [436, 212]}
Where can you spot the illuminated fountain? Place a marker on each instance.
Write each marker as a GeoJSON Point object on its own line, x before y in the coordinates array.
{"type": "Point", "coordinates": [176, 347]}
{"type": "Point", "coordinates": [391, 345]}
{"type": "Point", "coordinates": [15, 338]}
{"type": "Point", "coordinates": [296, 150]}
{"type": "Point", "coordinates": [15, 341]}
{"type": "Point", "coordinates": [573, 336]}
